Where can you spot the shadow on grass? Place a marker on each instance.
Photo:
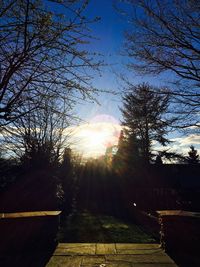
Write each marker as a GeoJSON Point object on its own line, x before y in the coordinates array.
{"type": "Point", "coordinates": [86, 227]}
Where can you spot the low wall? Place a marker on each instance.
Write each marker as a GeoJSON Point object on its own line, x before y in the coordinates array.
{"type": "Point", "coordinates": [180, 234]}
{"type": "Point", "coordinates": [28, 230]}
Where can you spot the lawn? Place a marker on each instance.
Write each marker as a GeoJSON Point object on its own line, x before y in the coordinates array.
{"type": "Point", "coordinates": [86, 227]}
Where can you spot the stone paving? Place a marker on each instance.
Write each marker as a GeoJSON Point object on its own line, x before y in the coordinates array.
{"type": "Point", "coordinates": [109, 255]}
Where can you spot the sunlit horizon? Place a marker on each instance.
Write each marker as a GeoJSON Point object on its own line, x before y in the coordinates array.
{"type": "Point", "coordinates": [93, 138]}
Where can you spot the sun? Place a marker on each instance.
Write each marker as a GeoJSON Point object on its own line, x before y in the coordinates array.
{"type": "Point", "coordinates": [96, 139]}
{"type": "Point", "coordinates": [92, 139]}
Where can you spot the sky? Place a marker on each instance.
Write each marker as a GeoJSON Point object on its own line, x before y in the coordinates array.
{"type": "Point", "coordinates": [100, 121]}
{"type": "Point", "coordinates": [100, 126]}
{"type": "Point", "coordinates": [109, 32]}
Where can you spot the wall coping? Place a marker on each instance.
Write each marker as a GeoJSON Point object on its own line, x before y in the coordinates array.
{"type": "Point", "coordinates": [15, 215]}
{"type": "Point", "coordinates": [181, 213]}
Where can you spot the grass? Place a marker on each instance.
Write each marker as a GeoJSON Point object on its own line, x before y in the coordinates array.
{"type": "Point", "coordinates": [86, 227]}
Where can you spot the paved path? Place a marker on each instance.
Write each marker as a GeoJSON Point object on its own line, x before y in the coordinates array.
{"type": "Point", "coordinates": [109, 255]}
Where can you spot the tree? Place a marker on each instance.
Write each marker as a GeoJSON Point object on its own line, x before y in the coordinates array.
{"type": "Point", "coordinates": [66, 165]}
{"type": "Point", "coordinates": [67, 178]}
{"type": "Point", "coordinates": [164, 37]}
{"type": "Point", "coordinates": [193, 157]}
{"type": "Point", "coordinates": [42, 49]}
{"type": "Point", "coordinates": [158, 160]}
{"type": "Point", "coordinates": [145, 120]}
{"type": "Point", "coordinates": [37, 138]}
{"type": "Point", "coordinates": [127, 154]}
{"type": "Point", "coordinates": [119, 159]}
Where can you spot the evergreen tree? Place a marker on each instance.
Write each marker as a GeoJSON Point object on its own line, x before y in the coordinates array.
{"type": "Point", "coordinates": [67, 160]}
{"type": "Point", "coordinates": [133, 155]}
{"type": "Point", "coordinates": [118, 162]}
{"type": "Point", "coordinates": [128, 152]}
{"type": "Point", "coordinates": [158, 160]}
{"type": "Point", "coordinates": [193, 157]}
{"type": "Point", "coordinates": [144, 119]}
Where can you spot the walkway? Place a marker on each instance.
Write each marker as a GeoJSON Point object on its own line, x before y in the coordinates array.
{"type": "Point", "coordinates": [109, 255]}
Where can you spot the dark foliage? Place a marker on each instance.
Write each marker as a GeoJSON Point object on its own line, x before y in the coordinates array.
{"type": "Point", "coordinates": [145, 121]}
{"type": "Point", "coordinates": [9, 172]}
{"type": "Point", "coordinates": [193, 157]}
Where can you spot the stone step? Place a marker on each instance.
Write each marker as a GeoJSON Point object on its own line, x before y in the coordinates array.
{"type": "Point", "coordinates": [109, 255]}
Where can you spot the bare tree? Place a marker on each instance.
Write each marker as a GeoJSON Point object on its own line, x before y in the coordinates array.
{"type": "Point", "coordinates": [164, 36]}
{"type": "Point", "coordinates": [38, 137]}
{"type": "Point", "coordinates": [42, 49]}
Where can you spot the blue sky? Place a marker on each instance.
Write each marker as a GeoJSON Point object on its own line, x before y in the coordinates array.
{"type": "Point", "coordinates": [108, 41]}
{"type": "Point", "coordinates": [109, 32]}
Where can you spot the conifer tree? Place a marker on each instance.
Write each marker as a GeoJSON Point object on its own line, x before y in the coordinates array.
{"type": "Point", "coordinates": [145, 120]}
{"type": "Point", "coordinates": [193, 157]}
{"type": "Point", "coordinates": [119, 160]}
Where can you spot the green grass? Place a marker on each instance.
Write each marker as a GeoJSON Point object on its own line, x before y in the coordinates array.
{"type": "Point", "coordinates": [85, 227]}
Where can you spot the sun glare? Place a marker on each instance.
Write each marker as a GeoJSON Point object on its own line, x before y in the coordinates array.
{"type": "Point", "coordinates": [97, 138]}
{"type": "Point", "coordinates": [93, 138]}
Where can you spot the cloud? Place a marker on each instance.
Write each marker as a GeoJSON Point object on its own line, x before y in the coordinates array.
{"type": "Point", "coordinates": [182, 144]}
{"type": "Point", "coordinates": [192, 139]}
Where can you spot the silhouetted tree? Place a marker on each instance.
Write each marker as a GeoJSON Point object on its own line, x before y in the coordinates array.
{"type": "Point", "coordinates": [128, 152]}
{"type": "Point", "coordinates": [171, 156]}
{"type": "Point", "coordinates": [37, 138]}
{"type": "Point", "coordinates": [9, 171]}
{"type": "Point", "coordinates": [165, 37]}
{"type": "Point", "coordinates": [193, 157]}
{"type": "Point", "coordinates": [145, 121]}
{"type": "Point", "coordinates": [158, 160]}
{"type": "Point", "coordinates": [67, 160]}
{"type": "Point", "coordinates": [66, 175]}
{"type": "Point", "coordinates": [42, 50]}
{"type": "Point", "coordinates": [118, 162]}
